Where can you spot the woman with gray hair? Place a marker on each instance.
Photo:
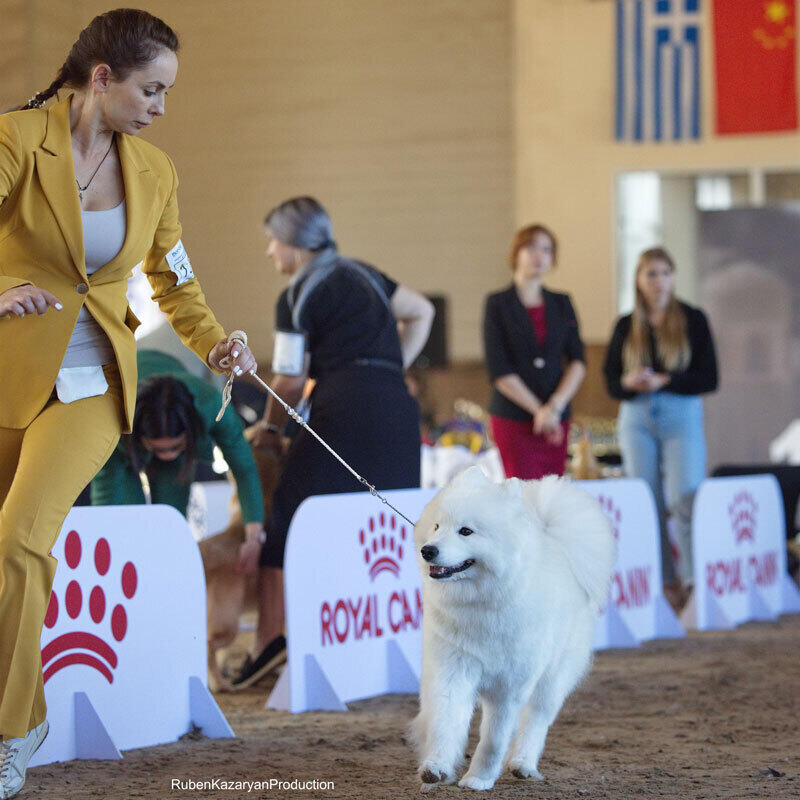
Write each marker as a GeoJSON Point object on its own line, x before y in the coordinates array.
{"type": "Point", "coordinates": [353, 330]}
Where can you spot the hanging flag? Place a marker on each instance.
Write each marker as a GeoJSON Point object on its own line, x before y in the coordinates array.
{"type": "Point", "coordinates": [658, 70]}
{"type": "Point", "coordinates": [755, 55]}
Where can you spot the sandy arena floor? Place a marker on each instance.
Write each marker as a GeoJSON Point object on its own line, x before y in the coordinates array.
{"type": "Point", "coordinates": [715, 715]}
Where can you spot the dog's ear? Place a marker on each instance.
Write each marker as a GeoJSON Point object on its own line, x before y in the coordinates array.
{"type": "Point", "coordinates": [513, 487]}
{"type": "Point", "coordinates": [471, 478]}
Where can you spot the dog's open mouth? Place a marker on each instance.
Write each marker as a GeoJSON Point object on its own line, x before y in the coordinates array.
{"type": "Point", "coordinates": [446, 572]}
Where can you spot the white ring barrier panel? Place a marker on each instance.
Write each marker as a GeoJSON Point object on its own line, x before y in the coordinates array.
{"type": "Point", "coordinates": [637, 609]}
{"type": "Point", "coordinates": [124, 641]}
{"type": "Point", "coordinates": [739, 547]}
{"type": "Point", "coordinates": [353, 601]}
{"type": "Point", "coordinates": [209, 510]}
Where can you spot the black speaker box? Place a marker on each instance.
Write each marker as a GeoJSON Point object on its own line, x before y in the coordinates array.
{"type": "Point", "coordinates": [434, 354]}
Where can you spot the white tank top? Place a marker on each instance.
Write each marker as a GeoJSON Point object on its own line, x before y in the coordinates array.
{"type": "Point", "coordinates": [103, 237]}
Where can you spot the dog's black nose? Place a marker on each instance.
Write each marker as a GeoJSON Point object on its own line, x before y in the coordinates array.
{"type": "Point", "coordinates": [429, 552]}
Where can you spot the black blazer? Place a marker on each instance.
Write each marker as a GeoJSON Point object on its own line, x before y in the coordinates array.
{"type": "Point", "coordinates": [510, 346]}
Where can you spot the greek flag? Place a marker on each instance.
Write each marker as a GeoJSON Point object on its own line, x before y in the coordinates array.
{"type": "Point", "coordinates": [658, 70]}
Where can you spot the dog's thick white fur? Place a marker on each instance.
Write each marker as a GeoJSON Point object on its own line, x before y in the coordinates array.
{"type": "Point", "coordinates": [514, 575]}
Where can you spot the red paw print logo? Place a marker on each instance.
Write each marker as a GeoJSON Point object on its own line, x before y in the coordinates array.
{"type": "Point", "coordinates": [613, 513]}
{"type": "Point", "coordinates": [742, 512]}
{"type": "Point", "coordinates": [84, 647]}
{"type": "Point", "coordinates": [383, 544]}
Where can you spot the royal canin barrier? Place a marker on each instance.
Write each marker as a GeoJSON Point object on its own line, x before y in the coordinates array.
{"type": "Point", "coordinates": [739, 554]}
{"type": "Point", "coordinates": [124, 640]}
{"type": "Point", "coordinates": [637, 609]}
{"type": "Point", "coordinates": [353, 601]}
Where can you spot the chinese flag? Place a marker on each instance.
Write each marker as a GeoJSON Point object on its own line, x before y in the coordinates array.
{"type": "Point", "coordinates": [754, 42]}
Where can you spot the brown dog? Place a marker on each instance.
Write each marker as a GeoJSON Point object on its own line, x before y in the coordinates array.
{"type": "Point", "coordinates": [229, 592]}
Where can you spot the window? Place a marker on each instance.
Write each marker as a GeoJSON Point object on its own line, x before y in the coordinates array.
{"type": "Point", "coordinates": [662, 208]}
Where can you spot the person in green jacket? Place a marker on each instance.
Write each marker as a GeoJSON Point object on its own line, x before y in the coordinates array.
{"type": "Point", "coordinates": [175, 426]}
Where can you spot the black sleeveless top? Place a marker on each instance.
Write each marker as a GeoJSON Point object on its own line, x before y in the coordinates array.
{"type": "Point", "coordinates": [346, 316]}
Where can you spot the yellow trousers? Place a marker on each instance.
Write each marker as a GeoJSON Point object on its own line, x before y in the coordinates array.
{"type": "Point", "coordinates": [43, 468]}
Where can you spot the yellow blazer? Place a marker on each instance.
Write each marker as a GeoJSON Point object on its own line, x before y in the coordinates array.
{"type": "Point", "coordinates": [41, 243]}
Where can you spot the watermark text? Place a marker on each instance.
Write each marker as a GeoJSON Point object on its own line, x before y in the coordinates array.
{"type": "Point", "coordinates": [240, 785]}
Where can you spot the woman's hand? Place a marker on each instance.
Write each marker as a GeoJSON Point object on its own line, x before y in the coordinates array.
{"type": "Point", "coordinates": [546, 420]}
{"type": "Point", "coordinates": [22, 300]}
{"type": "Point", "coordinates": [644, 379]}
{"type": "Point", "coordinates": [250, 549]}
{"type": "Point", "coordinates": [657, 381]}
{"type": "Point", "coordinates": [556, 436]}
{"type": "Point", "coordinates": [637, 380]}
{"type": "Point", "coordinates": [243, 359]}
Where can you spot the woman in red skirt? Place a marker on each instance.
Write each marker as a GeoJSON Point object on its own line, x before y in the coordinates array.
{"type": "Point", "coordinates": [534, 356]}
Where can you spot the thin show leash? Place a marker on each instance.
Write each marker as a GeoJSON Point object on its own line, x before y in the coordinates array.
{"type": "Point", "coordinates": [227, 363]}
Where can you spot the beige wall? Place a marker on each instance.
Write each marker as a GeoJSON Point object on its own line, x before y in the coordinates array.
{"type": "Point", "coordinates": [396, 115]}
{"type": "Point", "coordinates": [566, 158]}
{"type": "Point", "coordinates": [14, 37]}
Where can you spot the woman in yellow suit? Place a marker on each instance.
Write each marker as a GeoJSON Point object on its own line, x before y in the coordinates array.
{"type": "Point", "coordinates": [82, 201]}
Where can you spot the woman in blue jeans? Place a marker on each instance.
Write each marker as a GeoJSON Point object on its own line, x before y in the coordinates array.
{"type": "Point", "coordinates": [660, 360]}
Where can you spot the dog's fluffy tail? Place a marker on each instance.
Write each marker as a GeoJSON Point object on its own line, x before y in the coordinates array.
{"type": "Point", "coordinates": [575, 520]}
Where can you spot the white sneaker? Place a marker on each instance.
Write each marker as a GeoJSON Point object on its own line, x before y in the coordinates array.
{"type": "Point", "coordinates": [14, 757]}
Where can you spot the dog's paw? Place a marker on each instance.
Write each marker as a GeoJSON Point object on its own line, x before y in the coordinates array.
{"type": "Point", "coordinates": [432, 773]}
{"type": "Point", "coordinates": [474, 782]}
{"type": "Point", "coordinates": [519, 769]}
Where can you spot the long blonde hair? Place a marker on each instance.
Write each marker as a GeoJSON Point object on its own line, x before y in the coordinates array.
{"type": "Point", "coordinates": [672, 339]}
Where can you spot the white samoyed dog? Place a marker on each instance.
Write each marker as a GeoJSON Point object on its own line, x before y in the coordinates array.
{"type": "Point", "coordinates": [514, 576]}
